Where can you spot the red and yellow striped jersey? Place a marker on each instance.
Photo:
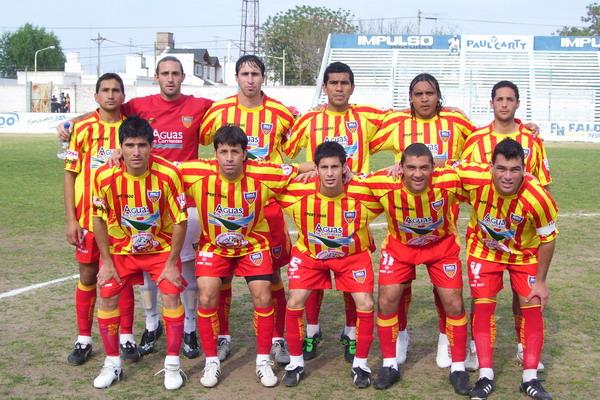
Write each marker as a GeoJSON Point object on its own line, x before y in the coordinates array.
{"type": "Point", "coordinates": [481, 144]}
{"type": "Point", "coordinates": [140, 211]}
{"type": "Point", "coordinates": [331, 227]}
{"type": "Point", "coordinates": [91, 145]}
{"type": "Point", "coordinates": [354, 129]}
{"type": "Point", "coordinates": [444, 134]}
{"type": "Point", "coordinates": [506, 229]}
{"type": "Point", "coordinates": [231, 213]}
{"type": "Point", "coordinates": [418, 219]}
{"type": "Point", "coordinates": [266, 126]}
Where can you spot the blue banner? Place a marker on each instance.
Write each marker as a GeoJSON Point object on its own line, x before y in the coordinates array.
{"type": "Point", "coordinates": [428, 42]}
{"type": "Point", "coordinates": [566, 43]}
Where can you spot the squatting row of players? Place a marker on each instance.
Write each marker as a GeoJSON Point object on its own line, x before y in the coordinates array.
{"type": "Point", "coordinates": [157, 216]}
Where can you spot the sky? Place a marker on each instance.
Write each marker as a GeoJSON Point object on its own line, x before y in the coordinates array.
{"type": "Point", "coordinates": [131, 26]}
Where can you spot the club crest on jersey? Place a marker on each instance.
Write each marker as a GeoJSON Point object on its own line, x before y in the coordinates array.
{"type": "Point", "coordinates": [517, 219]}
{"type": "Point", "coordinates": [187, 120]}
{"type": "Point", "coordinates": [153, 195]}
{"type": "Point", "coordinates": [352, 126]}
{"type": "Point", "coordinates": [250, 197]}
{"type": "Point", "coordinates": [256, 258]}
{"type": "Point", "coordinates": [266, 128]}
{"type": "Point", "coordinates": [438, 204]}
{"type": "Point", "coordinates": [276, 251]}
{"type": "Point", "coordinates": [360, 276]}
{"type": "Point", "coordinates": [349, 216]}
{"type": "Point", "coordinates": [444, 135]}
{"type": "Point", "coordinates": [450, 270]}
{"type": "Point", "coordinates": [531, 280]}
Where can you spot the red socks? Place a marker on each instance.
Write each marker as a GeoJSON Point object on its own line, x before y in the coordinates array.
{"type": "Point", "coordinates": [173, 318]}
{"type": "Point", "coordinates": [208, 330]}
{"type": "Point", "coordinates": [387, 331]}
{"type": "Point", "coordinates": [440, 311]}
{"type": "Point", "coordinates": [364, 332]}
{"type": "Point", "coordinates": [264, 322]}
{"type": "Point", "coordinates": [108, 324]}
{"type": "Point", "coordinates": [279, 304]}
{"type": "Point", "coordinates": [85, 301]}
{"type": "Point", "coordinates": [484, 331]}
{"type": "Point", "coordinates": [127, 307]}
{"type": "Point", "coordinates": [456, 329]}
{"type": "Point", "coordinates": [403, 306]}
{"type": "Point", "coordinates": [349, 309]}
{"type": "Point", "coordinates": [313, 306]}
{"type": "Point", "coordinates": [532, 335]}
{"type": "Point", "coordinates": [223, 308]}
{"type": "Point", "coordinates": [294, 330]}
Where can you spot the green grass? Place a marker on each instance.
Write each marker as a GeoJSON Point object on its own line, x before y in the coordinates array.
{"type": "Point", "coordinates": [37, 328]}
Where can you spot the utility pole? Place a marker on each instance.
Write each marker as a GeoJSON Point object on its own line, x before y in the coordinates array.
{"type": "Point", "coordinates": [99, 39]}
{"type": "Point", "coordinates": [419, 21]}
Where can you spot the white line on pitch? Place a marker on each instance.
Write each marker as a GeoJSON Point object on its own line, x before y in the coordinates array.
{"type": "Point", "coordinates": [16, 292]}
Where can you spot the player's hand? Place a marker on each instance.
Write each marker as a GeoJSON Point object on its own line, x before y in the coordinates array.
{"type": "Point", "coordinates": [172, 274]}
{"type": "Point", "coordinates": [74, 233]}
{"type": "Point", "coordinates": [347, 174]}
{"type": "Point", "coordinates": [395, 171]}
{"type": "Point", "coordinates": [539, 290]}
{"type": "Point", "coordinates": [63, 133]}
{"type": "Point", "coordinates": [439, 162]}
{"type": "Point", "coordinates": [107, 272]}
{"type": "Point", "coordinates": [456, 110]}
{"type": "Point", "coordinates": [115, 158]}
{"type": "Point", "coordinates": [305, 177]}
{"type": "Point", "coordinates": [534, 128]}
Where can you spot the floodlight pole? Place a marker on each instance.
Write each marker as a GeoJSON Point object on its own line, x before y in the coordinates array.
{"type": "Point", "coordinates": [36, 54]}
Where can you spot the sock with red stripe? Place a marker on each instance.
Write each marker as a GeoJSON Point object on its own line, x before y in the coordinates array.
{"type": "Point", "coordinates": [224, 308]}
{"type": "Point", "coordinates": [174, 319]}
{"type": "Point", "coordinates": [279, 305]}
{"type": "Point", "coordinates": [108, 324]}
{"type": "Point", "coordinates": [364, 332]}
{"type": "Point", "coordinates": [294, 330]}
{"type": "Point", "coordinates": [85, 301]}
{"type": "Point", "coordinates": [208, 330]}
{"type": "Point", "coordinates": [456, 330]}
{"type": "Point", "coordinates": [532, 336]}
{"type": "Point", "coordinates": [387, 331]}
{"type": "Point", "coordinates": [264, 322]}
{"type": "Point", "coordinates": [484, 331]}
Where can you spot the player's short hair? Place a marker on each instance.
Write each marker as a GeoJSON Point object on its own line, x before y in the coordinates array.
{"type": "Point", "coordinates": [330, 149]}
{"type": "Point", "coordinates": [337, 68]}
{"type": "Point", "coordinates": [231, 135]}
{"type": "Point", "coordinates": [417, 150]}
{"type": "Point", "coordinates": [425, 77]}
{"type": "Point", "coordinates": [510, 149]}
{"type": "Point", "coordinates": [252, 60]}
{"type": "Point", "coordinates": [169, 58]}
{"type": "Point", "coordinates": [503, 84]}
{"type": "Point", "coordinates": [108, 76]}
{"type": "Point", "coordinates": [135, 126]}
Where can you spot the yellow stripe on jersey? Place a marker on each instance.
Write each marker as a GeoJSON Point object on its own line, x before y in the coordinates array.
{"type": "Point", "coordinates": [140, 211]}
{"type": "Point", "coordinates": [231, 213]}
{"type": "Point", "coordinates": [444, 134]}
{"type": "Point", "coordinates": [423, 218]}
{"type": "Point", "coordinates": [481, 144]}
{"type": "Point", "coordinates": [505, 229]}
{"type": "Point", "coordinates": [331, 227]}
{"type": "Point", "coordinates": [91, 144]}
{"type": "Point", "coordinates": [353, 129]}
{"type": "Point", "coordinates": [266, 125]}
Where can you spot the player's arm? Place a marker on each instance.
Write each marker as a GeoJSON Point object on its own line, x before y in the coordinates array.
{"type": "Point", "coordinates": [73, 229]}
{"type": "Point", "coordinates": [171, 271]}
{"type": "Point", "coordinates": [540, 287]}
{"type": "Point", "coordinates": [108, 271]}
{"type": "Point", "coordinates": [64, 133]}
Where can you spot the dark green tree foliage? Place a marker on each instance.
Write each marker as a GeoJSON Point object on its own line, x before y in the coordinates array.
{"type": "Point", "coordinates": [17, 50]}
{"type": "Point", "coordinates": [302, 31]}
{"type": "Point", "coordinates": [592, 19]}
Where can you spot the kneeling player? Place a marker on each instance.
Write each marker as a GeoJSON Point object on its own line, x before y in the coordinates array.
{"type": "Point", "coordinates": [421, 210]}
{"type": "Point", "coordinates": [333, 237]}
{"type": "Point", "coordinates": [139, 222]}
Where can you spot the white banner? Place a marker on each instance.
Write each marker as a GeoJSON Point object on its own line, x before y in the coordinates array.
{"type": "Point", "coordinates": [496, 43]}
{"type": "Point", "coordinates": [21, 122]}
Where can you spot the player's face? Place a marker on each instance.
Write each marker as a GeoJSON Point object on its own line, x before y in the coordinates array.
{"type": "Point", "coordinates": [331, 171]}
{"type": "Point", "coordinates": [507, 175]}
{"type": "Point", "coordinates": [505, 104]}
{"type": "Point", "coordinates": [416, 173]}
{"type": "Point", "coordinates": [338, 90]}
{"type": "Point", "coordinates": [424, 98]}
{"type": "Point", "coordinates": [250, 80]}
{"type": "Point", "coordinates": [136, 152]}
{"type": "Point", "coordinates": [109, 96]}
{"type": "Point", "coordinates": [169, 79]}
{"type": "Point", "coordinates": [230, 160]}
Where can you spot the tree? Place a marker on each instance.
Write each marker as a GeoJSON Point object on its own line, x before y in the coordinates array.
{"type": "Point", "coordinates": [302, 32]}
{"type": "Point", "coordinates": [592, 18]}
{"type": "Point", "coordinates": [17, 50]}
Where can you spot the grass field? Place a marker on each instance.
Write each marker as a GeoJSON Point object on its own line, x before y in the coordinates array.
{"type": "Point", "coordinates": [37, 328]}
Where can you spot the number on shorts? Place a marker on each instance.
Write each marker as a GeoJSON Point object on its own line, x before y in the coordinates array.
{"type": "Point", "coordinates": [475, 269]}
{"type": "Point", "coordinates": [388, 260]}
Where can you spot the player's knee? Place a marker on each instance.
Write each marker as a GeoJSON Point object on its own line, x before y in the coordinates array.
{"type": "Point", "coordinates": [364, 303]}
{"type": "Point", "coordinates": [171, 301]}
{"type": "Point", "coordinates": [207, 299]}
{"type": "Point", "coordinates": [88, 274]}
{"type": "Point", "coordinates": [108, 303]}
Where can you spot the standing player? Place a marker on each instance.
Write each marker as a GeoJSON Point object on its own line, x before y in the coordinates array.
{"type": "Point", "coordinates": [479, 147]}
{"type": "Point", "coordinates": [139, 223]}
{"type": "Point", "coordinates": [232, 193]}
{"type": "Point", "coordinates": [333, 225]}
{"type": "Point", "coordinates": [421, 215]}
{"type": "Point", "coordinates": [265, 122]}
{"type": "Point", "coordinates": [93, 141]}
{"type": "Point", "coordinates": [353, 127]}
{"type": "Point", "coordinates": [444, 133]}
{"type": "Point", "coordinates": [512, 227]}
{"type": "Point", "coordinates": [175, 119]}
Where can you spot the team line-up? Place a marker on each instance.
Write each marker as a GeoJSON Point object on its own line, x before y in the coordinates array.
{"type": "Point", "coordinates": [141, 209]}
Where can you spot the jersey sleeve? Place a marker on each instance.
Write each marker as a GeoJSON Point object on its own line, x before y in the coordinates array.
{"type": "Point", "coordinates": [275, 177]}
{"type": "Point", "coordinates": [472, 175]}
{"type": "Point", "coordinates": [385, 137]}
{"type": "Point", "coordinates": [297, 136]}
{"type": "Point", "coordinates": [545, 213]}
{"type": "Point", "coordinates": [210, 123]}
{"type": "Point", "coordinates": [99, 193]}
{"type": "Point", "coordinates": [543, 167]}
{"type": "Point", "coordinates": [74, 156]}
{"type": "Point", "coordinates": [176, 202]}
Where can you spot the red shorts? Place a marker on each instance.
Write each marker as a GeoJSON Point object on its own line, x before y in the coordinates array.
{"type": "Point", "coordinates": [87, 251]}
{"type": "Point", "coordinates": [253, 264]}
{"type": "Point", "coordinates": [352, 273]}
{"type": "Point", "coordinates": [279, 237]}
{"type": "Point", "coordinates": [129, 268]}
{"type": "Point", "coordinates": [398, 262]}
{"type": "Point", "coordinates": [485, 277]}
